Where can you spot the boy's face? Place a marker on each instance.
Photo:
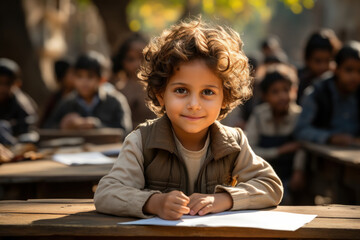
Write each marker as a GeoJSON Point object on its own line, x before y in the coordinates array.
{"type": "Point", "coordinates": [5, 87]}
{"type": "Point", "coordinates": [133, 58]}
{"type": "Point", "coordinates": [192, 98]}
{"type": "Point", "coordinates": [348, 75]}
{"type": "Point", "coordinates": [68, 81]}
{"type": "Point", "coordinates": [319, 62]}
{"type": "Point", "coordinates": [279, 96]}
{"type": "Point", "coordinates": [86, 83]}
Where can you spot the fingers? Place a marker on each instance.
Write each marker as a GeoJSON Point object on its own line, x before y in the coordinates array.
{"type": "Point", "coordinates": [178, 198]}
{"type": "Point", "coordinates": [175, 205]}
{"type": "Point", "coordinates": [199, 202]}
{"type": "Point", "coordinates": [207, 209]}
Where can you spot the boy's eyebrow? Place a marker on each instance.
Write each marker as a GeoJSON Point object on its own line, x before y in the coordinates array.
{"type": "Point", "coordinates": [184, 84]}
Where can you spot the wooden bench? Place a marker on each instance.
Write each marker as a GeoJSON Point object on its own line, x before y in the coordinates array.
{"type": "Point", "coordinates": [77, 219]}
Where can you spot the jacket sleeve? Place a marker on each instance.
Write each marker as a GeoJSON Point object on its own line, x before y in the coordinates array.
{"type": "Point", "coordinates": [258, 186]}
{"type": "Point", "coordinates": [121, 192]}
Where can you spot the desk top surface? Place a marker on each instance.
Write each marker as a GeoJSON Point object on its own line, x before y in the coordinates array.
{"type": "Point", "coordinates": [79, 132]}
{"type": "Point", "coordinates": [97, 136]}
{"type": "Point", "coordinates": [49, 170]}
{"type": "Point", "coordinates": [346, 155]}
{"type": "Point", "coordinates": [69, 217]}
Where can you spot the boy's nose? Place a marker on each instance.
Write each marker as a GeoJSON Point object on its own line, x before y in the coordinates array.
{"type": "Point", "coordinates": [194, 103]}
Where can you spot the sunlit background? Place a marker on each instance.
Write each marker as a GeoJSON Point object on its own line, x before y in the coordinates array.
{"type": "Point", "coordinates": [35, 33]}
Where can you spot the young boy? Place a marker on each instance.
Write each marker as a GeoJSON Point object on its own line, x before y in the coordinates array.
{"type": "Point", "coordinates": [89, 106]}
{"type": "Point", "coordinates": [319, 53]}
{"type": "Point", "coordinates": [186, 162]}
{"type": "Point", "coordinates": [65, 79]}
{"type": "Point", "coordinates": [271, 126]}
{"type": "Point", "coordinates": [15, 119]}
{"type": "Point", "coordinates": [126, 63]}
{"type": "Point", "coordinates": [331, 110]}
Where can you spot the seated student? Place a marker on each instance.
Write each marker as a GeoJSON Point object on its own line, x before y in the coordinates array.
{"type": "Point", "coordinates": [240, 115]}
{"type": "Point", "coordinates": [319, 53]}
{"type": "Point", "coordinates": [64, 76]}
{"type": "Point", "coordinates": [331, 108]}
{"type": "Point", "coordinates": [88, 107]}
{"type": "Point", "coordinates": [186, 162]}
{"type": "Point", "coordinates": [14, 117]}
{"type": "Point", "coordinates": [272, 51]}
{"type": "Point", "coordinates": [272, 123]}
{"type": "Point", "coordinates": [126, 63]}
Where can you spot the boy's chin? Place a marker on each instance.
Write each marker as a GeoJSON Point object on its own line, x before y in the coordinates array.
{"type": "Point", "coordinates": [86, 94]}
{"type": "Point", "coordinates": [282, 111]}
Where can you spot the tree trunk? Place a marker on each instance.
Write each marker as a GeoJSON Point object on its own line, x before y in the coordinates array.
{"type": "Point", "coordinates": [114, 15]}
{"type": "Point", "coordinates": [15, 44]}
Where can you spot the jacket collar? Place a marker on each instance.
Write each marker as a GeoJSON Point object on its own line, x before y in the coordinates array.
{"type": "Point", "coordinates": [222, 139]}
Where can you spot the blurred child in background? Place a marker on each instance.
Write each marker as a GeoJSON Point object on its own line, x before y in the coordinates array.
{"type": "Point", "coordinates": [89, 106]}
{"type": "Point", "coordinates": [271, 125]}
{"type": "Point", "coordinates": [272, 51]}
{"type": "Point", "coordinates": [126, 63]}
{"type": "Point", "coordinates": [331, 110]}
{"type": "Point", "coordinates": [319, 58]}
{"type": "Point", "coordinates": [15, 118]}
{"type": "Point", "coordinates": [65, 79]}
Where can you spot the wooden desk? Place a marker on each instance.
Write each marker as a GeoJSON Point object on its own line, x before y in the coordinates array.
{"type": "Point", "coordinates": [336, 169]}
{"type": "Point", "coordinates": [345, 155]}
{"type": "Point", "coordinates": [77, 219]}
{"type": "Point", "coordinates": [50, 171]}
{"type": "Point", "coordinates": [50, 179]}
{"type": "Point", "coordinates": [96, 136]}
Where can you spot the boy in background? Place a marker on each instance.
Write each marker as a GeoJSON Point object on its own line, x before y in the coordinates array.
{"type": "Point", "coordinates": [272, 123]}
{"type": "Point", "coordinates": [65, 79]}
{"type": "Point", "coordinates": [89, 106]}
{"type": "Point", "coordinates": [15, 119]}
{"type": "Point", "coordinates": [319, 59]}
{"type": "Point", "coordinates": [331, 112]}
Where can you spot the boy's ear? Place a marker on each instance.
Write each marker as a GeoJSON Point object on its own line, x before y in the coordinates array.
{"type": "Point", "coordinates": [160, 98]}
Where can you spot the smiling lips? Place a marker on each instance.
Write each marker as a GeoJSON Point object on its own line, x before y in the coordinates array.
{"type": "Point", "coordinates": [192, 118]}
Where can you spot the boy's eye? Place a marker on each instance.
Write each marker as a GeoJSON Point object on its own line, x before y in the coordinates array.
{"type": "Point", "coordinates": [181, 90]}
{"type": "Point", "coordinates": [208, 92]}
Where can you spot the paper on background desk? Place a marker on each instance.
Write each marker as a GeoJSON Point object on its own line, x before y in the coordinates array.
{"type": "Point", "coordinates": [249, 218]}
{"type": "Point", "coordinates": [82, 158]}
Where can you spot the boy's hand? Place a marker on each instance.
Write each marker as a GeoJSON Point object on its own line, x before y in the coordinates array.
{"type": "Point", "coordinates": [289, 148]}
{"type": "Point", "coordinates": [209, 203]}
{"type": "Point", "coordinates": [169, 206]}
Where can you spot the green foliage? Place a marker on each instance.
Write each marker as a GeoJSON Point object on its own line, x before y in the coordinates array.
{"type": "Point", "coordinates": [152, 16]}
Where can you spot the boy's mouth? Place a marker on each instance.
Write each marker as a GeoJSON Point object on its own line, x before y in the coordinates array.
{"type": "Point", "coordinates": [192, 118]}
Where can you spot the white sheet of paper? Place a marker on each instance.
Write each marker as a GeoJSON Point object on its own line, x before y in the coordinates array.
{"type": "Point", "coordinates": [249, 218]}
{"type": "Point", "coordinates": [82, 158]}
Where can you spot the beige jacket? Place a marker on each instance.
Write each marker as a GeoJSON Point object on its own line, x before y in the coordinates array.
{"type": "Point", "coordinates": [122, 192]}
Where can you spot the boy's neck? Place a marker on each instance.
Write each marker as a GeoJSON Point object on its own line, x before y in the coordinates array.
{"type": "Point", "coordinates": [193, 142]}
{"type": "Point", "coordinates": [278, 116]}
{"type": "Point", "coordinates": [88, 99]}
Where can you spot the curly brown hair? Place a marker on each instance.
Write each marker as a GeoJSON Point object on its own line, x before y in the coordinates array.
{"type": "Point", "coordinates": [220, 48]}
